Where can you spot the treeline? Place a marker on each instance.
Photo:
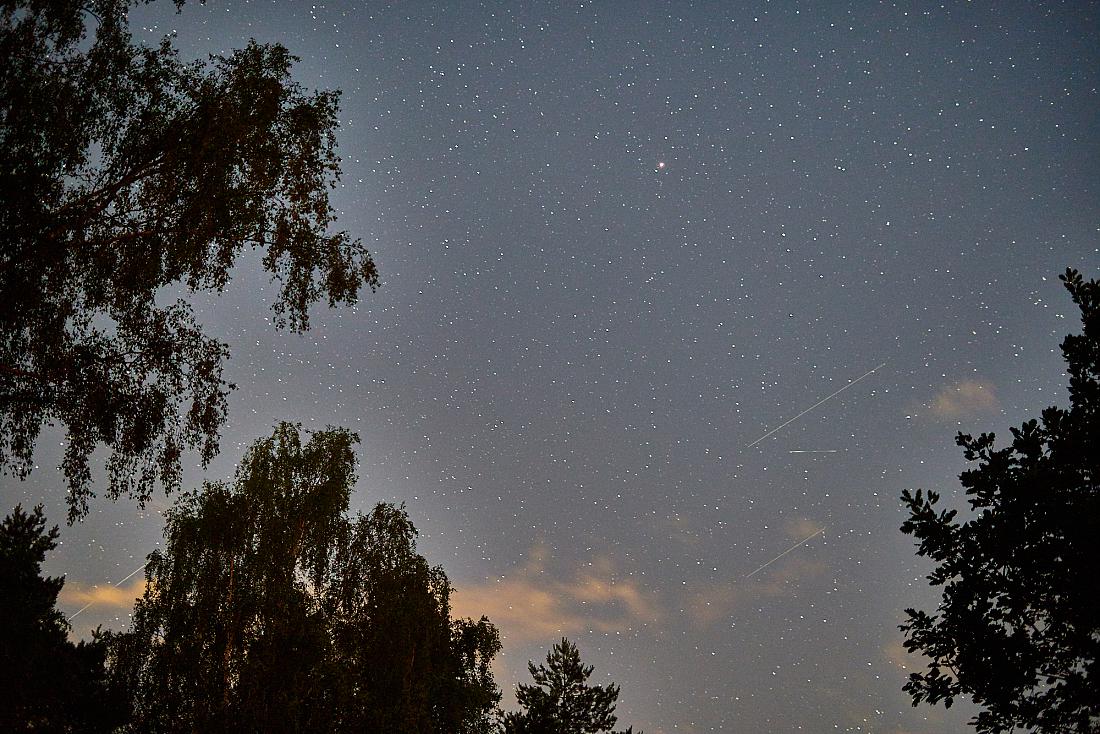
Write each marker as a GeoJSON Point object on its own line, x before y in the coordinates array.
{"type": "Point", "coordinates": [127, 173]}
{"type": "Point", "coordinates": [272, 609]}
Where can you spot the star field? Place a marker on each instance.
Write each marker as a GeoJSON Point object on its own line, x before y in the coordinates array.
{"type": "Point", "coordinates": [620, 243]}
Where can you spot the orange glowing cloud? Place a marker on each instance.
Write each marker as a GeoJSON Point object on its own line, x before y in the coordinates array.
{"type": "Point", "coordinates": [104, 596]}
{"type": "Point", "coordinates": [533, 604]}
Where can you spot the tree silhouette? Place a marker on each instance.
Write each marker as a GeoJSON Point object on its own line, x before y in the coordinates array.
{"type": "Point", "coordinates": [271, 610]}
{"type": "Point", "coordinates": [48, 683]}
{"type": "Point", "coordinates": [561, 701]}
{"type": "Point", "coordinates": [128, 175]}
{"type": "Point", "coordinates": [1018, 628]}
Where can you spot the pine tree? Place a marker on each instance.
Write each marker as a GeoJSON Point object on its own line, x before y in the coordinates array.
{"type": "Point", "coordinates": [561, 701]}
{"type": "Point", "coordinates": [49, 684]}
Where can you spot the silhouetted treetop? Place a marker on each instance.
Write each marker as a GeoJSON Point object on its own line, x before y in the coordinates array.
{"type": "Point", "coordinates": [270, 609]}
{"type": "Point", "coordinates": [125, 173]}
{"type": "Point", "coordinates": [561, 701]}
{"type": "Point", "coordinates": [1018, 627]}
{"type": "Point", "coordinates": [49, 684]}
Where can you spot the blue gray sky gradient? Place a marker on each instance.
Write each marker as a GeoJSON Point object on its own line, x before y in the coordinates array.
{"type": "Point", "coordinates": [623, 245]}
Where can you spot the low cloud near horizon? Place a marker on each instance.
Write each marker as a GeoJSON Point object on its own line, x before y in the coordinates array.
{"type": "Point", "coordinates": [105, 596]}
{"type": "Point", "coordinates": [534, 604]}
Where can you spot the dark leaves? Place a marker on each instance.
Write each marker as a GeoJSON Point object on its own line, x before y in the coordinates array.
{"type": "Point", "coordinates": [1017, 626]}
{"type": "Point", "coordinates": [49, 683]}
{"type": "Point", "coordinates": [270, 609]}
{"type": "Point", "coordinates": [561, 701]}
{"type": "Point", "coordinates": [126, 172]}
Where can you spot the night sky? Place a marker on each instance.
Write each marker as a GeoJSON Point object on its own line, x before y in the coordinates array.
{"type": "Point", "coordinates": [621, 245]}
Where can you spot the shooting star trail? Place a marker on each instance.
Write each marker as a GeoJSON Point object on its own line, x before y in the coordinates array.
{"type": "Point", "coordinates": [116, 585]}
{"type": "Point", "coordinates": [819, 402]}
{"type": "Point", "coordinates": [801, 542]}
{"type": "Point", "coordinates": [813, 451]}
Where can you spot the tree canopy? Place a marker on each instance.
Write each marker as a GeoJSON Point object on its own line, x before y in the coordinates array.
{"type": "Point", "coordinates": [270, 609]}
{"type": "Point", "coordinates": [1018, 629]}
{"type": "Point", "coordinates": [128, 174]}
{"type": "Point", "coordinates": [49, 684]}
{"type": "Point", "coordinates": [561, 701]}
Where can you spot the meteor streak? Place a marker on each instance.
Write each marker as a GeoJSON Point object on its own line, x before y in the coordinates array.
{"type": "Point", "coordinates": [116, 584]}
{"type": "Point", "coordinates": [801, 542]}
{"type": "Point", "coordinates": [830, 396]}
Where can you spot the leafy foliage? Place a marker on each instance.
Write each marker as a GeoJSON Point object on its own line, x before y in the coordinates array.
{"type": "Point", "coordinates": [271, 610]}
{"type": "Point", "coordinates": [561, 701]}
{"type": "Point", "coordinates": [49, 683]}
{"type": "Point", "coordinates": [127, 174]}
{"type": "Point", "coordinates": [1018, 628]}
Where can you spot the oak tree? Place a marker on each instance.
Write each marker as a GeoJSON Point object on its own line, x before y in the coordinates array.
{"type": "Point", "coordinates": [1018, 626]}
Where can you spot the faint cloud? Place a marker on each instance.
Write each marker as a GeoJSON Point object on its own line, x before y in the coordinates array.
{"type": "Point", "coordinates": [711, 604]}
{"type": "Point", "coordinates": [102, 597]}
{"type": "Point", "coordinates": [678, 529]}
{"type": "Point", "coordinates": [533, 605]}
{"type": "Point", "coordinates": [708, 604]}
{"type": "Point", "coordinates": [787, 576]}
{"type": "Point", "coordinates": [971, 397]}
{"type": "Point", "coordinates": [896, 654]}
{"type": "Point", "coordinates": [798, 528]}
